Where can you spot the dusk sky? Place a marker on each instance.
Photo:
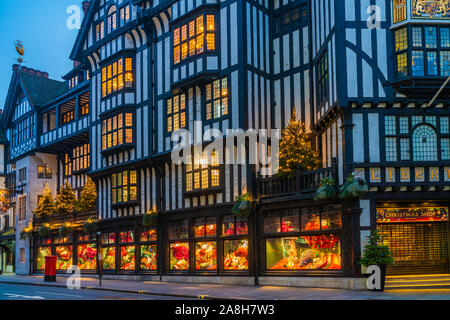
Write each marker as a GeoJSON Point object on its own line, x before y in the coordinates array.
{"type": "Point", "coordinates": [41, 25]}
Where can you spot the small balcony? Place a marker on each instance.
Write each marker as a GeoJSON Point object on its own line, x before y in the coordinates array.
{"type": "Point", "coordinates": [72, 217]}
{"type": "Point", "coordinates": [301, 185]}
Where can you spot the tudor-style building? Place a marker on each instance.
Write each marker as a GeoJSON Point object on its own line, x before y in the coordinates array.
{"type": "Point", "coordinates": [358, 73]}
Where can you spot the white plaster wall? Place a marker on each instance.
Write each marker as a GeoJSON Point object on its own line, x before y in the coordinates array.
{"type": "Point", "coordinates": [32, 189]}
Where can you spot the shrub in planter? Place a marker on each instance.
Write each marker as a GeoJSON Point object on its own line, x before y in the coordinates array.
{"type": "Point", "coordinates": [327, 190]}
{"type": "Point", "coordinates": [242, 206]}
{"type": "Point", "coordinates": [90, 226]}
{"type": "Point", "coordinates": [375, 253]}
{"type": "Point", "coordinates": [150, 219]}
{"type": "Point", "coordinates": [45, 231]}
{"type": "Point", "coordinates": [353, 188]}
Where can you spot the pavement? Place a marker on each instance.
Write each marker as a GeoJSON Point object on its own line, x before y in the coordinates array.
{"type": "Point", "coordinates": [225, 292]}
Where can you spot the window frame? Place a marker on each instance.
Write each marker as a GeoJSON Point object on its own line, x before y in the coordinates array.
{"type": "Point", "coordinates": [115, 187]}
{"type": "Point", "coordinates": [322, 79]}
{"type": "Point", "coordinates": [124, 129]}
{"type": "Point", "coordinates": [171, 115]}
{"type": "Point", "coordinates": [46, 175]}
{"type": "Point", "coordinates": [212, 100]}
{"type": "Point", "coordinates": [197, 167]}
{"type": "Point", "coordinates": [178, 45]}
{"type": "Point", "coordinates": [108, 76]}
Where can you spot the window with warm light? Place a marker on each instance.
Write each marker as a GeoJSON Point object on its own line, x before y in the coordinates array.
{"type": "Point", "coordinates": [100, 31]}
{"type": "Point", "coordinates": [399, 7]}
{"type": "Point", "coordinates": [78, 161]}
{"type": "Point", "coordinates": [44, 172]}
{"type": "Point", "coordinates": [68, 117]}
{"type": "Point", "coordinates": [124, 187]}
{"type": "Point", "coordinates": [203, 173]}
{"type": "Point", "coordinates": [124, 15]}
{"type": "Point", "coordinates": [217, 99]}
{"type": "Point", "coordinates": [176, 113]}
{"type": "Point", "coordinates": [112, 19]}
{"type": "Point", "coordinates": [194, 38]}
{"type": "Point", "coordinates": [117, 76]}
{"type": "Point", "coordinates": [117, 130]}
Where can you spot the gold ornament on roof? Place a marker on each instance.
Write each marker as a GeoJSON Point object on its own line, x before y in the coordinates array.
{"type": "Point", "coordinates": [430, 8]}
{"type": "Point", "coordinates": [20, 48]}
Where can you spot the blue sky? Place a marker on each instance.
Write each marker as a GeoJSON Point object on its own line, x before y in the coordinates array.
{"type": "Point", "coordinates": [41, 25]}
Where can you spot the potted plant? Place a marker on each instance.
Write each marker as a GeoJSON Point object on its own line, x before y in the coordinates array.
{"type": "Point", "coordinates": [327, 189]}
{"type": "Point", "coordinates": [353, 188]}
{"type": "Point", "coordinates": [375, 253]}
{"type": "Point", "coordinates": [242, 206]}
{"type": "Point", "coordinates": [150, 219]}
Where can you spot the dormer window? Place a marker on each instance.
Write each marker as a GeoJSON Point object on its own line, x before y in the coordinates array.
{"type": "Point", "coordinates": [194, 38]}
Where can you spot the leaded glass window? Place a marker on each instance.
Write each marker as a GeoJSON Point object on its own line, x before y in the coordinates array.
{"type": "Point", "coordinates": [424, 144]}
{"type": "Point", "coordinates": [445, 149]}
{"type": "Point", "coordinates": [444, 125]}
{"type": "Point", "coordinates": [404, 129]}
{"type": "Point", "coordinates": [404, 149]}
{"type": "Point", "coordinates": [390, 127]}
{"type": "Point", "coordinates": [391, 149]}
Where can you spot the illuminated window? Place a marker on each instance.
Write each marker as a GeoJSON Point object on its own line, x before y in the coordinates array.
{"type": "Point", "coordinates": [117, 130]}
{"type": "Point", "coordinates": [68, 117]}
{"type": "Point", "coordinates": [100, 31]}
{"type": "Point", "coordinates": [217, 99]}
{"type": "Point", "coordinates": [402, 64]}
{"type": "Point", "coordinates": [117, 76]}
{"type": "Point", "coordinates": [399, 7]}
{"type": "Point", "coordinates": [84, 104]}
{"type": "Point", "coordinates": [203, 172]}
{"type": "Point", "coordinates": [176, 113]}
{"type": "Point", "coordinates": [44, 172]}
{"type": "Point", "coordinates": [189, 39]}
{"type": "Point", "coordinates": [124, 187]}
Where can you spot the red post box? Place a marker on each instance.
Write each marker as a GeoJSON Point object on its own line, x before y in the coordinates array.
{"type": "Point", "coordinates": [50, 269]}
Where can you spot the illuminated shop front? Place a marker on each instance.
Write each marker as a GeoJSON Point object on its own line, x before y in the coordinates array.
{"type": "Point", "coordinates": [303, 239]}
{"type": "Point", "coordinates": [417, 237]}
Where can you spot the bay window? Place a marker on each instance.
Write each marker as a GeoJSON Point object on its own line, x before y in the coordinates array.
{"type": "Point", "coordinates": [124, 187]}
{"type": "Point", "coordinates": [203, 173]}
{"type": "Point", "coordinates": [176, 113]}
{"type": "Point", "coordinates": [117, 76]}
{"type": "Point", "coordinates": [422, 51]}
{"type": "Point", "coordinates": [189, 39]}
{"type": "Point", "coordinates": [217, 99]}
{"type": "Point", "coordinates": [117, 131]}
{"type": "Point", "coordinates": [124, 15]}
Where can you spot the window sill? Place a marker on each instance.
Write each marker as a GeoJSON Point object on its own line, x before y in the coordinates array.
{"type": "Point", "coordinates": [122, 147]}
{"type": "Point", "coordinates": [115, 94]}
{"type": "Point", "coordinates": [201, 192]}
{"type": "Point", "coordinates": [125, 204]}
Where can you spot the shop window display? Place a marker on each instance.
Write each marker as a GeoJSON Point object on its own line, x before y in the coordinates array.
{"type": "Point", "coordinates": [149, 260]}
{"type": "Point", "coordinates": [236, 254]}
{"type": "Point", "coordinates": [40, 258]}
{"type": "Point", "coordinates": [205, 227]}
{"type": "Point", "coordinates": [206, 256]}
{"type": "Point", "coordinates": [108, 238]}
{"type": "Point", "coordinates": [148, 235]}
{"type": "Point", "coordinates": [178, 229]}
{"type": "Point", "coordinates": [179, 256]}
{"type": "Point", "coordinates": [234, 226]}
{"type": "Point", "coordinates": [304, 253]}
{"type": "Point", "coordinates": [63, 257]}
{"type": "Point", "coordinates": [109, 258]}
{"type": "Point", "coordinates": [87, 257]}
{"type": "Point", "coordinates": [127, 258]}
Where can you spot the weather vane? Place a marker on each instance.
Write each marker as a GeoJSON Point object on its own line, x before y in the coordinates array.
{"type": "Point", "coordinates": [20, 50]}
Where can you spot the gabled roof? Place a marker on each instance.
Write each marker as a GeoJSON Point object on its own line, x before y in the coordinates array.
{"type": "Point", "coordinates": [39, 90]}
{"type": "Point", "coordinates": [84, 30]}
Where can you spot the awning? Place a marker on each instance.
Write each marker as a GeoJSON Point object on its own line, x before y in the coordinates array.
{"type": "Point", "coordinates": [8, 235]}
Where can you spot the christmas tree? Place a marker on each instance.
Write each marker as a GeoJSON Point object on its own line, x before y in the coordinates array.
{"type": "Point", "coordinates": [296, 153]}
{"type": "Point", "coordinates": [65, 200]}
{"type": "Point", "coordinates": [46, 206]}
{"type": "Point", "coordinates": [88, 196]}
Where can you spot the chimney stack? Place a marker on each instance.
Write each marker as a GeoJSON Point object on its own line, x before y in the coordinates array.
{"type": "Point", "coordinates": [37, 73]}
{"type": "Point", "coordinates": [85, 6]}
